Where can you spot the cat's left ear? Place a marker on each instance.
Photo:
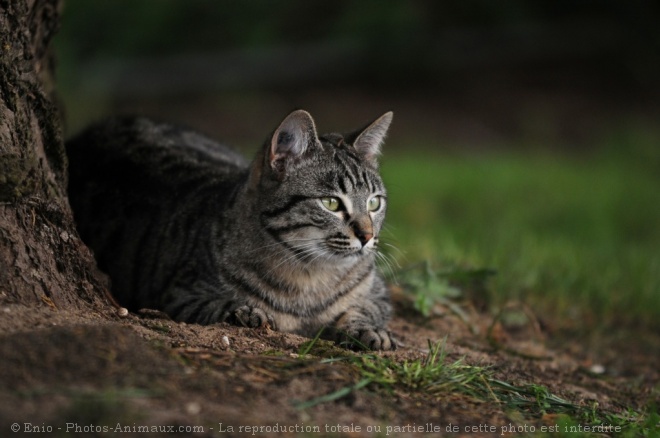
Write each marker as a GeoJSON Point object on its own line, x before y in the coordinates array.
{"type": "Point", "coordinates": [368, 141]}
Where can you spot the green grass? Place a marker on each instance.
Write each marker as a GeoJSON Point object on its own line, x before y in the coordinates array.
{"type": "Point", "coordinates": [435, 376]}
{"type": "Point", "coordinates": [576, 237]}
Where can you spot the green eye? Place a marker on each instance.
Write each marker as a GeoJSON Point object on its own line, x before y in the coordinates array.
{"type": "Point", "coordinates": [374, 203]}
{"type": "Point", "coordinates": [331, 204]}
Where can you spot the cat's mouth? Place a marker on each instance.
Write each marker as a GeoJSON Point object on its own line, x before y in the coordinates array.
{"type": "Point", "coordinates": [350, 249]}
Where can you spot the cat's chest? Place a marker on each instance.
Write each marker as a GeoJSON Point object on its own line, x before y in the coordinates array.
{"type": "Point", "coordinates": [304, 299]}
{"type": "Point", "coordinates": [307, 287]}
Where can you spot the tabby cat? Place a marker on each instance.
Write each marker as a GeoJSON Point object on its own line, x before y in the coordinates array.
{"type": "Point", "coordinates": [185, 225]}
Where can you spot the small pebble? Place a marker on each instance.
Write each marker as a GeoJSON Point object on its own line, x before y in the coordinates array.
{"type": "Point", "coordinates": [193, 408]}
{"type": "Point", "coordinates": [225, 341]}
{"type": "Point", "coordinates": [122, 311]}
{"type": "Point", "coordinates": [597, 369]}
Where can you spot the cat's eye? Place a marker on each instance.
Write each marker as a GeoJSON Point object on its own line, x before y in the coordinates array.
{"type": "Point", "coordinates": [374, 203]}
{"type": "Point", "coordinates": [331, 204]}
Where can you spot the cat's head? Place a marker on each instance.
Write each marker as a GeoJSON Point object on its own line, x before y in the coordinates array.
{"type": "Point", "coordinates": [321, 195]}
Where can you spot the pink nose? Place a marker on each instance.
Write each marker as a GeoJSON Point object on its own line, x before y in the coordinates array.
{"type": "Point", "coordinates": [363, 230]}
{"type": "Point", "coordinates": [363, 236]}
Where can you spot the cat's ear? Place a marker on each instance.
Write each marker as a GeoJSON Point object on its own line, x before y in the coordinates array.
{"type": "Point", "coordinates": [295, 135]}
{"type": "Point", "coordinates": [368, 142]}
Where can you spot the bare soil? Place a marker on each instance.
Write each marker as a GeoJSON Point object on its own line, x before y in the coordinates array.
{"type": "Point", "coordinates": [68, 372]}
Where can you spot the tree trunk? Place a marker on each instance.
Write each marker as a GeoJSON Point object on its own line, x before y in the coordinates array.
{"type": "Point", "coordinates": [42, 259]}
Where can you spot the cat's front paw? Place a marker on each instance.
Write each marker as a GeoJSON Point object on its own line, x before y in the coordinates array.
{"type": "Point", "coordinates": [369, 338]}
{"type": "Point", "coordinates": [251, 317]}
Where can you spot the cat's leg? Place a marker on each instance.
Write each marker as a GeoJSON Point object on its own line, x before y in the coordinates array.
{"type": "Point", "coordinates": [366, 326]}
{"type": "Point", "coordinates": [203, 303]}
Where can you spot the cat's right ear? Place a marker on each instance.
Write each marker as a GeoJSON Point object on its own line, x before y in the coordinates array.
{"type": "Point", "coordinates": [295, 135]}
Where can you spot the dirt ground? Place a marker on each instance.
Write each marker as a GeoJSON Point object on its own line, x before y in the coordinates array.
{"type": "Point", "coordinates": [93, 374]}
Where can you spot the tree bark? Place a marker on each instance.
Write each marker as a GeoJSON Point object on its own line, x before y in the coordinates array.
{"type": "Point", "coordinates": [42, 259]}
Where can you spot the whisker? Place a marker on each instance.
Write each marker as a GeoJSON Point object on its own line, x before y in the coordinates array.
{"type": "Point", "coordinates": [388, 228]}
{"type": "Point", "coordinates": [310, 249]}
{"type": "Point", "coordinates": [285, 249]}
{"type": "Point", "coordinates": [396, 248]}
{"type": "Point", "coordinates": [304, 262]}
{"type": "Point", "coordinates": [285, 241]}
{"type": "Point", "coordinates": [320, 254]}
{"type": "Point", "coordinates": [387, 262]}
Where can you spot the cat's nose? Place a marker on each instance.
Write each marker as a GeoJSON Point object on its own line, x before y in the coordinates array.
{"type": "Point", "coordinates": [363, 231]}
{"type": "Point", "coordinates": [363, 237]}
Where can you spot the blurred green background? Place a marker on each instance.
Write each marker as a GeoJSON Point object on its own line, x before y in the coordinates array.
{"type": "Point", "coordinates": [525, 139]}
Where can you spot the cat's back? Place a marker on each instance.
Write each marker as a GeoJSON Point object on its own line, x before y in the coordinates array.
{"type": "Point", "coordinates": [140, 152]}
{"type": "Point", "coordinates": [131, 169]}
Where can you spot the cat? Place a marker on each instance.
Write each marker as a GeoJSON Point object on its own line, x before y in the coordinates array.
{"type": "Point", "coordinates": [188, 226]}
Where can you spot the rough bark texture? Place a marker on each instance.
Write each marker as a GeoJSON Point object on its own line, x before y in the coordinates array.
{"type": "Point", "coordinates": [42, 260]}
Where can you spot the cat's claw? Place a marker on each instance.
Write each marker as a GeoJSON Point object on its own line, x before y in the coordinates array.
{"type": "Point", "coordinates": [372, 339]}
{"type": "Point", "coordinates": [252, 317]}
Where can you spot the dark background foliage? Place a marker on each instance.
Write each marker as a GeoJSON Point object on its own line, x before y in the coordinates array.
{"type": "Point", "coordinates": [481, 71]}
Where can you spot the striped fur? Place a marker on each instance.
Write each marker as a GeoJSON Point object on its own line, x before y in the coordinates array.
{"type": "Point", "coordinates": [186, 225]}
